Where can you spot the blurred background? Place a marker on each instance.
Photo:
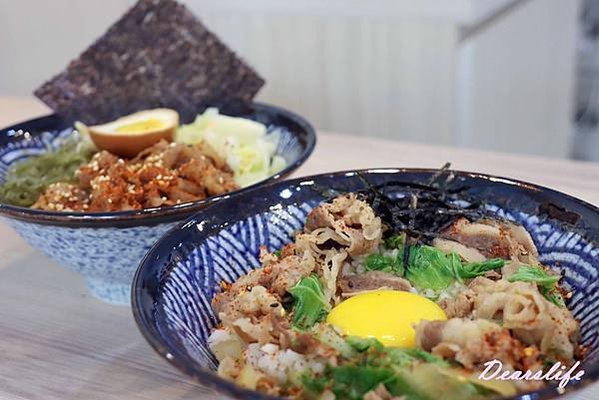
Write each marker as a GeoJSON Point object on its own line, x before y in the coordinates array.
{"type": "Point", "coordinates": [517, 76]}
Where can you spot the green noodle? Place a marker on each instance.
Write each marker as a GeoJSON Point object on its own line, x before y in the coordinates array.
{"type": "Point", "coordinates": [27, 179]}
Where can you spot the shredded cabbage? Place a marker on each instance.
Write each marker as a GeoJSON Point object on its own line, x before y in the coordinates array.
{"type": "Point", "coordinates": [241, 142]}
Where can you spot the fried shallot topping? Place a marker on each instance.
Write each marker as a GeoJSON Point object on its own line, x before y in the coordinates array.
{"type": "Point", "coordinates": [164, 174]}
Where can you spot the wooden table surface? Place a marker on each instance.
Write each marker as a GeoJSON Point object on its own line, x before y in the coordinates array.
{"type": "Point", "coordinates": [58, 342]}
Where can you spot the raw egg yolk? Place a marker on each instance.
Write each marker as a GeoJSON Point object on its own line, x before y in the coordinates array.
{"type": "Point", "coordinates": [142, 126]}
{"type": "Point", "coordinates": [387, 315]}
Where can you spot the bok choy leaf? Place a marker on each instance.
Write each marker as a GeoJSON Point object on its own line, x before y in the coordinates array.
{"type": "Point", "coordinates": [310, 304]}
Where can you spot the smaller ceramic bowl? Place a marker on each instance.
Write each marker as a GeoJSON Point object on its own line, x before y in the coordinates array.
{"type": "Point", "coordinates": [106, 248]}
{"type": "Point", "coordinates": [176, 281]}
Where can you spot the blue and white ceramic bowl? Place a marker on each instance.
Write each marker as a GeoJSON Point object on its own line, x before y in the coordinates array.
{"type": "Point", "coordinates": [106, 248]}
{"type": "Point", "coordinates": [177, 279]}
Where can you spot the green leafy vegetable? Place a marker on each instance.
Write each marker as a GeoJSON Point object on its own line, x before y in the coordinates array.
{"type": "Point", "coordinates": [420, 354]}
{"type": "Point", "coordinates": [310, 304]}
{"type": "Point", "coordinates": [403, 372]}
{"type": "Point", "coordinates": [349, 381]}
{"type": "Point", "coordinates": [353, 382]}
{"type": "Point", "coordinates": [315, 384]}
{"type": "Point", "coordinates": [380, 262]}
{"type": "Point", "coordinates": [474, 269]}
{"type": "Point", "coordinates": [379, 355]}
{"type": "Point", "coordinates": [534, 274]}
{"type": "Point", "coordinates": [277, 253]}
{"type": "Point", "coordinates": [429, 381]}
{"type": "Point", "coordinates": [28, 179]}
{"type": "Point", "coordinates": [396, 241]}
{"type": "Point", "coordinates": [546, 283]}
{"type": "Point", "coordinates": [420, 381]}
{"type": "Point", "coordinates": [554, 296]}
{"type": "Point", "coordinates": [431, 268]}
{"type": "Point", "coordinates": [403, 385]}
{"type": "Point", "coordinates": [399, 267]}
{"type": "Point", "coordinates": [363, 344]}
{"type": "Point", "coordinates": [326, 334]}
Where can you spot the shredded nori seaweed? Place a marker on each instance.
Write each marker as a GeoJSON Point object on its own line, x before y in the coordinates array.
{"type": "Point", "coordinates": [424, 210]}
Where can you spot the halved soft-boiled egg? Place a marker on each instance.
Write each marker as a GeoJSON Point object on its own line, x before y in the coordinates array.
{"type": "Point", "coordinates": [129, 135]}
{"type": "Point", "coordinates": [387, 315]}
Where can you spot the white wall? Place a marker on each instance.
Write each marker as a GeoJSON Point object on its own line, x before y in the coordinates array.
{"type": "Point", "coordinates": [516, 81]}
{"type": "Point", "coordinates": [366, 76]}
{"type": "Point", "coordinates": [389, 68]}
{"type": "Point", "coordinates": [38, 38]}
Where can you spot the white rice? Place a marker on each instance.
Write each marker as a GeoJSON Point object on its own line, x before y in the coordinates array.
{"type": "Point", "coordinates": [280, 364]}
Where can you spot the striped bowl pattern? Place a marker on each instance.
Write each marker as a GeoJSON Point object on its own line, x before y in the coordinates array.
{"type": "Point", "coordinates": [178, 278]}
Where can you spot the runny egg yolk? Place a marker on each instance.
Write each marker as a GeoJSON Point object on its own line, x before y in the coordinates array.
{"type": "Point", "coordinates": [143, 126]}
{"type": "Point", "coordinates": [387, 315]}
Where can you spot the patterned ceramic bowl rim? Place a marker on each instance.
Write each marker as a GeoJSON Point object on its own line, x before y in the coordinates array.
{"type": "Point", "coordinates": [145, 286]}
{"type": "Point", "coordinates": [156, 214]}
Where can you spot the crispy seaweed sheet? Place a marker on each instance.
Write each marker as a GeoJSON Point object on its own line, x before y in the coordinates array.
{"type": "Point", "coordinates": [157, 55]}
